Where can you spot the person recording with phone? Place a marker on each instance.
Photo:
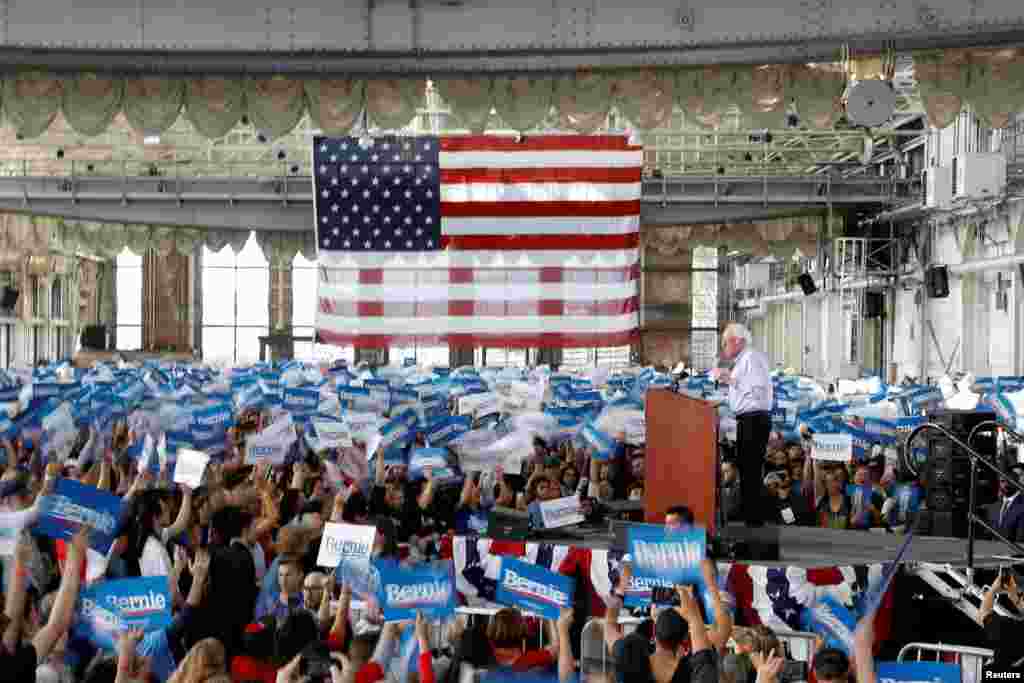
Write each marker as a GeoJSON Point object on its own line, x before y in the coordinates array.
{"type": "Point", "coordinates": [1004, 634]}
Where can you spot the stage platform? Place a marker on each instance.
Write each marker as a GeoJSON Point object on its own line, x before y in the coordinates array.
{"type": "Point", "coordinates": [811, 546]}
{"type": "Point", "coordinates": [814, 547]}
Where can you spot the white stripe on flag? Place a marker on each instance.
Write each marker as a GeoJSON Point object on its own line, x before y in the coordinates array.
{"type": "Point", "coordinates": [480, 325]}
{"type": "Point", "coordinates": [548, 225]}
{"type": "Point", "coordinates": [539, 192]}
{"type": "Point", "coordinates": [583, 258]}
{"type": "Point", "coordinates": [396, 293]}
{"type": "Point", "coordinates": [542, 159]}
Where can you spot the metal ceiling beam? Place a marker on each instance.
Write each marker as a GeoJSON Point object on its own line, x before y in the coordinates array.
{"type": "Point", "coordinates": [798, 49]}
{"type": "Point", "coordinates": [286, 203]}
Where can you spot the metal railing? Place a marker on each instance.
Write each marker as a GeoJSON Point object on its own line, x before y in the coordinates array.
{"type": "Point", "coordinates": [971, 660]}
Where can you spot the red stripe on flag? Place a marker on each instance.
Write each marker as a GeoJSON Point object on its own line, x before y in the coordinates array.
{"type": "Point", "coordinates": [541, 242]}
{"type": "Point", "coordinates": [479, 309]}
{"type": "Point", "coordinates": [539, 209]}
{"type": "Point", "coordinates": [460, 276]}
{"type": "Point", "coordinates": [553, 274]}
{"type": "Point", "coordinates": [371, 276]}
{"type": "Point", "coordinates": [536, 143]}
{"type": "Point", "coordinates": [515, 341]}
{"type": "Point", "coordinates": [460, 176]}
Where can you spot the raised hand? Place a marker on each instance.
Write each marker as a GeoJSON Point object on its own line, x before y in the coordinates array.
{"type": "Point", "coordinates": [768, 666]}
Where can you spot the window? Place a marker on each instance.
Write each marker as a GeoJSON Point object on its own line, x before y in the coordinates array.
{"type": "Point", "coordinates": [6, 346]}
{"type": "Point", "coordinates": [504, 358]}
{"type": "Point", "coordinates": [426, 356]}
{"type": "Point", "coordinates": [57, 299]}
{"type": "Point", "coordinates": [38, 343]}
{"type": "Point", "coordinates": [704, 317]}
{"type": "Point", "coordinates": [38, 301]}
{"type": "Point", "coordinates": [304, 305]}
{"type": "Point", "coordinates": [236, 303]}
{"type": "Point", "coordinates": [581, 358]}
{"type": "Point", "coordinates": [128, 285]}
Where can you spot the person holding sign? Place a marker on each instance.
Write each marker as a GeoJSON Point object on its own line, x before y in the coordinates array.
{"type": "Point", "coordinates": [672, 659]}
{"type": "Point", "coordinates": [751, 399]}
{"type": "Point", "coordinates": [18, 660]}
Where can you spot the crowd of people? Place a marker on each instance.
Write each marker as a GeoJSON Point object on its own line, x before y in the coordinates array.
{"type": "Point", "coordinates": [240, 551]}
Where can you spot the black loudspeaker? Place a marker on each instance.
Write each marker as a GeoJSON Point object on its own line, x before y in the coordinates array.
{"type": "Point", "coordinates": [807, 284]}
{"type": "Point", "coordinates": [94, 338]}
{"type": "Point", "coordinates": [874, 305]}
{"type": "Point", "coordinates": [9, 299]}
{"type": "Point", "coordinates": [936, 282]}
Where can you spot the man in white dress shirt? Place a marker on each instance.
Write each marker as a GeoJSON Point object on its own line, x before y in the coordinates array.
{"type": "Point", "coordinates": [750, 398]}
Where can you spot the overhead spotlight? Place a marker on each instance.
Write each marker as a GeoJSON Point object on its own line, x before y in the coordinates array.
{"type": "Point", "coordinates": [151, 139]}
{"type": "Point", "coordinates": [60, 153]}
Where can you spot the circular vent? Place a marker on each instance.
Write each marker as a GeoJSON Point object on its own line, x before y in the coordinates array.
{"type": "Point", "coordinates": [870, 103]}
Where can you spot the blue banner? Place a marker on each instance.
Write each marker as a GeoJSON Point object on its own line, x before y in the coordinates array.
{"type": "Point", "coordinates": [72, 505]}
{"type": "Point", "coordinates": [428, 587]}
{"type": "Point", "coordinates": [532, 588]}
{"type": "Point", "coordinates": [918, 672]}
{"type": "Point", "coordinates": [666, 554]}
{"type": "Point", "coordinates": [107, 608]}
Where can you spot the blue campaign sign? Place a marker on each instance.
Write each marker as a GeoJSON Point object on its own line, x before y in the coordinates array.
{"type": "Point", "coordinates": [428, 587]}
{"type": "Point", "coordinates": [918, 672]}
{"type": "Point", "coordinates": [532, 588]}
{"type": "Point", "coordinates": [107, 608]}
{"type": "Point", "coordinates": [214, 417]}
{"type": "Point", "coordinates": [667, 554]}
{"type": "Point", "coordinates": [72, 505]}
{"type": "Point", "coordinates": [301, 401]}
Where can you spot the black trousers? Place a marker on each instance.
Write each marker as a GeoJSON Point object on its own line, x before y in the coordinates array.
{"type": "Point", "coordinates": [752, 432]}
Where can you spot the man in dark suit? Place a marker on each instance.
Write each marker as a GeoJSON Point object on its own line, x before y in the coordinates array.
{"type": "Point", "coordinates": [1007, 515]}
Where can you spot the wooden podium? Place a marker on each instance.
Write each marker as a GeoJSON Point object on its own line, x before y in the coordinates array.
{"type": "Point", "coordinates": [681, 457]}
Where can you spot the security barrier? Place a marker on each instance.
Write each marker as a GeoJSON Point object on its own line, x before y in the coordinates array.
{"type": "Point", "coordinates": [971, 659]}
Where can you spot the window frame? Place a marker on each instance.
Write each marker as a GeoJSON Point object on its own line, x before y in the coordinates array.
{"type": "Point", "coordinates": [119, 266]}
{"type": "Point", "coordinates": [234, 270]}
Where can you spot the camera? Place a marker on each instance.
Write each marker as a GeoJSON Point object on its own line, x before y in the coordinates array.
{"type": "Point", "coordinates": [316, 663]}
{"type": "Point", "coordinates": [665, 596]}
{"type": "Point", "coordinates": [792, 672]}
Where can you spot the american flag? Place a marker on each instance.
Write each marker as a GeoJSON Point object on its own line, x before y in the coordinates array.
{"type": "Point", "coordinates": [477, 241]}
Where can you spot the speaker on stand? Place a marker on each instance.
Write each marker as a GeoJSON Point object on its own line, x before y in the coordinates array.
{"type": "Point", "coordinates": [936, 282]}
{"type": "Point", "coordinates": [947, 474]}
{"type": "Point", "coordinates": [807, 284]}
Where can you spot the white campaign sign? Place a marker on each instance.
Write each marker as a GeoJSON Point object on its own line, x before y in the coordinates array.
{"type": "Point", "coordinates": [332, 434]}
{"type": "Point", "coordinates": [272, 444]}
{"type": "Point", "coordinates": [349, 542]}
{"type": "Point", "coordinates": [561, 512]}
{"type": "Point", "coordinates": [478, 405]}
{"type": "Point", "coordinates": [190, 467]}
{"type": "Point", "coordinates": [832, 447]}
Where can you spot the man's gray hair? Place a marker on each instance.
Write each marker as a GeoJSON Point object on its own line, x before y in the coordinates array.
{"type": "Point", "coordinates": [737, 331]}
